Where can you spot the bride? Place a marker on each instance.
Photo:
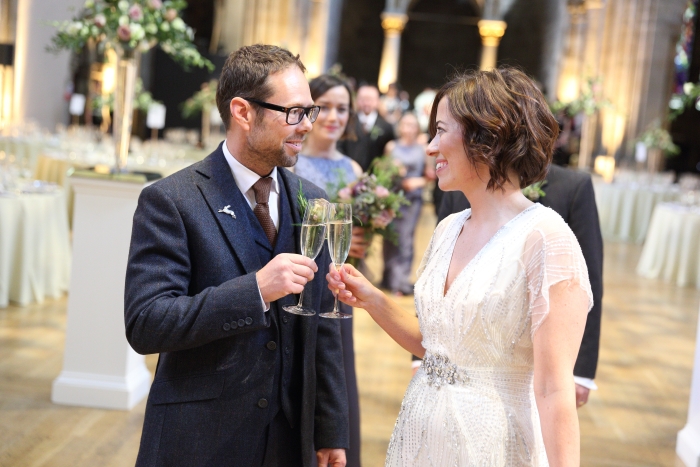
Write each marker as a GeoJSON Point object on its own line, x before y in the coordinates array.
{"type": "Point", "coordinates": [502, 294]}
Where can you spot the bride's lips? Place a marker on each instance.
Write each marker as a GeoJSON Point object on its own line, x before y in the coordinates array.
{"type": "Point", "coordinates": [440, 165]}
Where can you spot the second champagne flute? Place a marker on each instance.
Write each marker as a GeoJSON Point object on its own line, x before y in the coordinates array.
{"type": "Point", "coordinates": [313, 234]}
{"type": "Point", "coordinates": [339, 238]}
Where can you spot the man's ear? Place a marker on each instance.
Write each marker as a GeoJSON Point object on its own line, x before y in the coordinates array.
{"type": "Point", "coordinates": [242, 113]}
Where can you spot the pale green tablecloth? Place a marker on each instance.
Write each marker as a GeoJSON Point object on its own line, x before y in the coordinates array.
{"type": "Point", "coordinates": [34, 247]}
{"type": "Point", "coordinates": [625, 209]}
{"type": "Point", "coordinates": [672, 248]}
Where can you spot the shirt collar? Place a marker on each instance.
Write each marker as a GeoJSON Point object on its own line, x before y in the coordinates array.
{"type": "Point", "coordinates": [244, 177]}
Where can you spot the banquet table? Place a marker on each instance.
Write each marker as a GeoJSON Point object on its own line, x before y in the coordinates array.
{"type": "Point", "coordinates": [34, 247]}
{"type": "Point", "coordinates": [672, 248]}
{"type": "Point", "coordinates": [625, 209]}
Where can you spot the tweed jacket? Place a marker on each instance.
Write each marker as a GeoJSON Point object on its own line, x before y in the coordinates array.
{"type": "Point", "coordinates": [192, 296]}
{"type": "Point", "coordinates": [569, 193]}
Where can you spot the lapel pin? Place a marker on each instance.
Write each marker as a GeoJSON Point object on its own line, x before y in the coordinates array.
{"type": "Point", "coordinates": [226, 210]}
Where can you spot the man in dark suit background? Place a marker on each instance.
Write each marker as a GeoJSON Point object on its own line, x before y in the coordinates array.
{"type": "Point", "coordinates": [373, 132]}
{"type": "Point", "coordinates": [571, 195]}
{"type": "Point", "coordinates": [213, 260]}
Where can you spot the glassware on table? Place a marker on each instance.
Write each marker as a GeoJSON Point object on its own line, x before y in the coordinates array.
{"type": "Point", "coordinates": [339, 238]}
{"type": "Point", "coordinates": [313, 234]}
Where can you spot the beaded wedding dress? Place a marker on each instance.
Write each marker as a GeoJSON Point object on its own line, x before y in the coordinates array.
{"type": "Point", "coordinates": [472, 401]}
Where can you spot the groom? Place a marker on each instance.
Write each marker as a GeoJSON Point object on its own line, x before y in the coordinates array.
{"type": "Point", "coordinates": [213, 260]}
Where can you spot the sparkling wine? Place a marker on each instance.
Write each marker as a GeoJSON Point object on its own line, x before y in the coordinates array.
{"type": "Point", "coordinates": [339, 238]}
{"type": "Point", "coordinates": [312, 237]}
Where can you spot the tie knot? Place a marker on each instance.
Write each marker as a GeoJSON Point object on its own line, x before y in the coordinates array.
{"type": "Point", "coordinates": [262, 190]}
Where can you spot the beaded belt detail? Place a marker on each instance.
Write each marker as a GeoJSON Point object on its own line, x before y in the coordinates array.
{"type": "Point", "coordinates": [440, 371]}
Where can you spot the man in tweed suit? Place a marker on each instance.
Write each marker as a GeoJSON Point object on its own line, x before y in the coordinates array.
{"type": "Point", "coordinates": [214, 258]}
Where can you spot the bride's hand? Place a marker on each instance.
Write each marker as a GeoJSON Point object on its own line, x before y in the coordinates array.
{"type": "Point", "coordinates": [352, 287]}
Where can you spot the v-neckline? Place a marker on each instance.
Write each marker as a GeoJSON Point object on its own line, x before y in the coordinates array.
{"type": "Point", "coordinates": [445, 293]}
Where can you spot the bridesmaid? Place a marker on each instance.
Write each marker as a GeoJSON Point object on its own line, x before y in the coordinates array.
{"type": "Point", "coordinates": [321, 163]}
{"type": "Point", "coordinates": [409, 151]}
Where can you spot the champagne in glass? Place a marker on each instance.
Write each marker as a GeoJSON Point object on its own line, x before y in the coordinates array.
{"type": "Point", "coordinates": [313, 234]}
{"type": "Point", "coordinates": [339, 238]}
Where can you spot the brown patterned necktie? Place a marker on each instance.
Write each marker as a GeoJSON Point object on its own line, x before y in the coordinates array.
{"type": "Point", "coordinates": [262, 209]}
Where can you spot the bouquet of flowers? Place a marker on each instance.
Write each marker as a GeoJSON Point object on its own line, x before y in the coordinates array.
{"type": "Point", "coordinates": [131, 25]}
{"type": "Point", "coordinates": [202, 100]}
{"type": "Point", "coordinates": [589, 101]}
{"type": "Point", "coordinates": [375, 200]}
{"type": "Point", "coordinates": [656, 137]}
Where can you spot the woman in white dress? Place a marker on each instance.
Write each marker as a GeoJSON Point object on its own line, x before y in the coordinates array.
{"type": "Point", "coordinates": [502, 293]}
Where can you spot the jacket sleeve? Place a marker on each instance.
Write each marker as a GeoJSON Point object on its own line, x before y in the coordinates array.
{"type": "Point", "coordinates": [584, 222]}
{"type": "Point", "coordinates": [159, 314]}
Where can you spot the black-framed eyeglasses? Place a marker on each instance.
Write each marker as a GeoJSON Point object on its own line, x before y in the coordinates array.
{"type": "Point", "coordinates": [294, 114]}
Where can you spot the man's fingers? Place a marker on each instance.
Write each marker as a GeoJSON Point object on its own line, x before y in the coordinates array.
{"type": "Point", "coordinates": [303, 271]}
{"type": "Point", "coordinates": [303, 261]}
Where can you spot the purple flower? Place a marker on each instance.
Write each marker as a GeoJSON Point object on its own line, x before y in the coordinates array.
{"type": "Point", "coordinates": [124, 33]}
{"type": "Point", "coordinates": [135, 13]}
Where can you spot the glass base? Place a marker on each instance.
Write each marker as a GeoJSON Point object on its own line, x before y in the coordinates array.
{"type": "Point", "coordinates": [335, 315]}
{"type": "Point", "coordinates": [298, 310]}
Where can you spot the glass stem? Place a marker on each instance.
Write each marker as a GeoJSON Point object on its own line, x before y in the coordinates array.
{"type": "Point", "coordinates": [335, 305]}
{"type": "Point", "coordinates": [301, 298]}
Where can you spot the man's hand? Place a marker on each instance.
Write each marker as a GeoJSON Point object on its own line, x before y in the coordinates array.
{"type": "Point", "coordinates": [286, 274]}
{"type": "Point", "coordinates": [359, 243]}
{"type": "Point", "coordinates": [328, 457]}
{"type": "Point", "coordinates": [581, 395]}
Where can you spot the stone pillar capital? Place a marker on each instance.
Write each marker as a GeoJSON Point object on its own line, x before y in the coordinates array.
{"type": "Point", "coordinates": [491, 31]}
{"type": "Point", "coordinates": [393, 22]}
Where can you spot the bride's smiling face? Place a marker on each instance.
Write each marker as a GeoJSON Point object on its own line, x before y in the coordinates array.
{"type": "Point", "coordinates": [452, 166]}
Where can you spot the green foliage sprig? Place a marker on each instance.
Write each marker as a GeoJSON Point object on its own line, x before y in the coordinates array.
{"type": "Point", "coordinates": [656, 137]}
{"type": "Point", "coordinates": [142, 99]}
{"type": "Point", "coordinates": [690, 97]}
{"type": "Point", "coordinates": [131, 25]}
{"type": "Point", "coordinates": [203, 99]}
{"type": "Point", "coordinates": [589, 101]}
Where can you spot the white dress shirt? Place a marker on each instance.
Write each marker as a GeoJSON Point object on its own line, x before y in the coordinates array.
{"type": "Point", "coordinates": [368, 120]}
{"type": "Point", "coordinates": [245, 179]}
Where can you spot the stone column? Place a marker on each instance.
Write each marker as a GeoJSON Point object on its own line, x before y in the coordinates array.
{"type": "Point", "coordinates": [393, 24]}
{"type": "Point", "coordinates": [491, 32]}
{"type": "Point", "coordinates": [35, 97]}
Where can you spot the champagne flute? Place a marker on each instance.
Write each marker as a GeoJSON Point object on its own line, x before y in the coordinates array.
{"type": "Point", "coordinates": [339, 238]}
{"type": "Point", "coordinates": [313, 234]}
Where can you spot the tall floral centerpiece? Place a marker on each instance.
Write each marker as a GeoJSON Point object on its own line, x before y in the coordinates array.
{"type": "Point", "coordinates": [130, 27]}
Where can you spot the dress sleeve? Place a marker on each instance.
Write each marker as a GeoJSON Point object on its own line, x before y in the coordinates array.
{"type": "Point", "coordinates": [552, 255]}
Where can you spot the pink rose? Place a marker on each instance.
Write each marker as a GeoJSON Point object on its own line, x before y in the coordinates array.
{"type": "Point", "coordinates": [345, 193]}
{"type": "Point", "coordinates": [100, 20]}
{"type": "Point", "coordinates": [170, 14]}
{"type": "Point", "coordinates": [124, 33]}
{"type": "Point", "coordinates": [381, 191]}
{"type": "Point", "coordinates": [135, 13]}
{"type": "Point", "coordinates": [155, 4]}
{"type": "Point", "coordinates": [383, 219]}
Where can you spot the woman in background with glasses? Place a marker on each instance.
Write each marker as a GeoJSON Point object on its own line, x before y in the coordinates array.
{"type": "Point", "coordinates": [321, 163]}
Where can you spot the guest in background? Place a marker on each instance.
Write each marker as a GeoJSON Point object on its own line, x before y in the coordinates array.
{"type": "Point", "coordinates": [373, 132]}
{"type": "Point", "coordinates": [422, 105]}
{"type": "Point", "coordinates": [390, 104]}
{"type": "Point", "coordinates": [321, 163]}
{"type": "Point", "coordinates": [409, 152]}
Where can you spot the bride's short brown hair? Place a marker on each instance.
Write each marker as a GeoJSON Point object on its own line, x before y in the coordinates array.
{"type": "Point", "coordinates": [506, 123]}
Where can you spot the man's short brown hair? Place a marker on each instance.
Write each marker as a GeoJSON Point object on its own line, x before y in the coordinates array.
{"type": "Point", "coordinates": [245, 74]}
{"type": "Point", "coordinates": [506, 123]}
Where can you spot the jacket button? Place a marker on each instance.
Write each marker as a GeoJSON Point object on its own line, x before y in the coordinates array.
{"type": "Point", "coordinates": [271, 345]}
{"type": "Point", "coordinates": [262, 403]}
{"type": "Point", "coordinates": [286, 350]}
{"type": "Point", "coordinates": [227, 327]}
{"type": "Point", "coordinates": [241, 322]}
{"type": "Point", "coordinates": [249, 321]}
{"type": "Point", "coordinates": [234, 325]}
{"type": "Point", "coordinates": [285, 319]}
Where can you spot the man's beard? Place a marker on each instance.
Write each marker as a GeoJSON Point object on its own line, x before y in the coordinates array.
{"type": "Point", "coordinates": [267, 151]}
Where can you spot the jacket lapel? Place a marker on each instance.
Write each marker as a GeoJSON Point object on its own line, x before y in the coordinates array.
{"type": "Point", "coordinates": [290, 183]}
{"type": "Point", "coordinates": [219, 190]}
